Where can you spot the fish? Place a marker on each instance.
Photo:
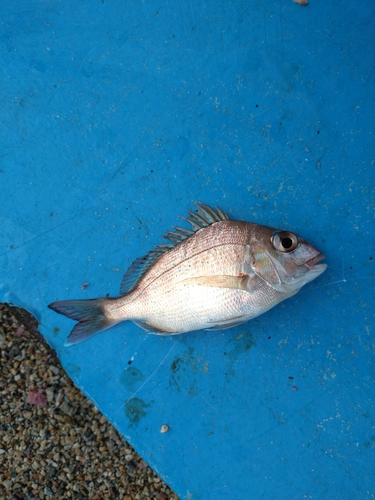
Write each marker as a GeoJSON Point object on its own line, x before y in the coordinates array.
{"type": "Point", "coordinates": [216, 275]}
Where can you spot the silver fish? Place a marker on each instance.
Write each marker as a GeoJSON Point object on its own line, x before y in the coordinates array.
{"type": "Point", "coordinates": [217, 275]}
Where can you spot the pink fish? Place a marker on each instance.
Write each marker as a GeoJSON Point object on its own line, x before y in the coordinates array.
{"type": "Point", "coordinates": [217, 275]}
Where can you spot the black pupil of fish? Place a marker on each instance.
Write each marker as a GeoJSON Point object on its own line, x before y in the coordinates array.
{"type": "Point", "coordinates": [287, 243]}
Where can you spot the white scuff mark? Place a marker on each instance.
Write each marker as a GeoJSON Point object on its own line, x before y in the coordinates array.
{"type": "Point", "coordinates": [281, 187]}
{"type": "Point", "coordinates": [329, 375]}
{"type": "Point", "coordinates": [330, 356]}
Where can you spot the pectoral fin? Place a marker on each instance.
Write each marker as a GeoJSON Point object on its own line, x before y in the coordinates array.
{"type": "Point", "coordinates": [240, 282]}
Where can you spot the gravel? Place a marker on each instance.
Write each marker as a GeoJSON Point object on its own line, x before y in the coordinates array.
{"type": "Point", "coordinates": [54, 443]}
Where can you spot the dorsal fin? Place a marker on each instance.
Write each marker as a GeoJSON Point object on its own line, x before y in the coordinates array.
{"type": "Point", "coordinates": [205, 217]}
{"type": "Point", "coordinates": [140, 266]}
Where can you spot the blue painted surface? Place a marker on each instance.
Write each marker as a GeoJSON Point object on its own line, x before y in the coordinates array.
{"type": "Point", "coordinates": [115, 116]}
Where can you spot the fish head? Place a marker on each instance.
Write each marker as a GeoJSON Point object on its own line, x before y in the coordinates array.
{"type": "Point", "coordinates": [285, 260]}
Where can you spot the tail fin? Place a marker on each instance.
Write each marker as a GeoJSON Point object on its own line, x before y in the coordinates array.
{"type": "Point", "coordinates": [90, 314]}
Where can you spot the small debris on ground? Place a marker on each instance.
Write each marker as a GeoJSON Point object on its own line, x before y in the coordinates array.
{"type": "Point", "coordinates": [36, 398]}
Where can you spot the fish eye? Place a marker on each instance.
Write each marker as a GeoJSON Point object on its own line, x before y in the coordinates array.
{"type": "Point", "coordinates": [283, 241]}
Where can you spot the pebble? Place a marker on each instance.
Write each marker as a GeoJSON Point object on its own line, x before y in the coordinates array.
{"type": "Point", "coordinates": [7, 483]}
{"type": "Point", "coordinates": [65, 449]}
{"type": "Point", "coordinates": [50, 393]}
{"type": "Point", "coordinates": [54, 369]}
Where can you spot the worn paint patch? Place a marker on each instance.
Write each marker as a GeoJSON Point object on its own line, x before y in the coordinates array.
{"type": "Point", "coordinates": [72, 368]}
{"type": "Point", "coordinates": [130, 377]}
{"type": "Point", "coordinates": [237, 346]}
{"type": "Point", "coordinates": [187, 366]}
{"type": "Point", "coordinates": [175, 365]}
{"type": "Point", "coordinates": [135, 409]}
{"type": "Point", "coordinates": [370, 443]}
{"type": "Point", "coordinates": [178, 368]}
{"type": "Point", "coordinates": [193, 390]}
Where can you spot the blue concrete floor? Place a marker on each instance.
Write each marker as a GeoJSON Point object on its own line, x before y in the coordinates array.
{"type": "Point", "coordinates": [115, 116]}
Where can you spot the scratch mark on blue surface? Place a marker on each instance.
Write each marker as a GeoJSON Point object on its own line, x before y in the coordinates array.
{"type": "Point", "coordinates": [252, 116]}
{"type": "Point", "coordinates": [34, 276]}
{"type": "Point", "coordinates": [152, 374]}
{"type": "Point", "coordinates": [47, 231]}
{"type": "Point", "coordinates": [342, 271]}
{"type": "Point", "coordinates": [218, 414]}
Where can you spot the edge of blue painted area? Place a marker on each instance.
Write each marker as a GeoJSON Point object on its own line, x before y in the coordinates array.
{"type": "Point", "coordinates": [116, 118]}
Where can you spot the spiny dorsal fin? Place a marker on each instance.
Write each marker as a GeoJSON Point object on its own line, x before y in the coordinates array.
{"type": "Point", "coordinates": [205, 217]}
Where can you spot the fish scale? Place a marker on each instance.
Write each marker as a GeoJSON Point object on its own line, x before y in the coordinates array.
{"type": "Point", "coordinates": [215, 276]}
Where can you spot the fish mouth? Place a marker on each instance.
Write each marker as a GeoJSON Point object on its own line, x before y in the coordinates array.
{"type": "Point", "coordinates": [312, 262]}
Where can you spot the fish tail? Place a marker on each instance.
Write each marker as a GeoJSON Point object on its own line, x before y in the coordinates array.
{"type": "Point", "coordinates": [90, 315]}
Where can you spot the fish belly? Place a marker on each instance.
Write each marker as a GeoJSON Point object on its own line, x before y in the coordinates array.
{"type": "Point", "coordinates": [187, 308]}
